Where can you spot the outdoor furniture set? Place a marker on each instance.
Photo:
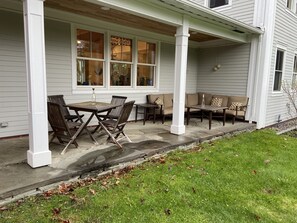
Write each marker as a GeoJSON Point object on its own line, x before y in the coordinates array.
{"type": "Point", "coordinates": [67, 130]}
{"type": "Point", "coordinates": [222, 105]}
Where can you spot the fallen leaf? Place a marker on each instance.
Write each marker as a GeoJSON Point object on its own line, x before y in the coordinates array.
{"type": "Point", "coordinates": [254, 172]}
{"type": "Point", "coordinates": [56, 211]}
{"type": "Point", "coordinates": [167, 211]}
{"type": "Point", "coordinates": [266, 161]}
{"type": "Point", "coordinates": [117, 182]}
{"type": "Point", "coordinates": [92, 191]}
{"type": "Point", "coordinates": [3, 208]}
{"type": "Point", "coordinates": [162, 160]}
{"type": "Point", "coordinates": [142, 200]}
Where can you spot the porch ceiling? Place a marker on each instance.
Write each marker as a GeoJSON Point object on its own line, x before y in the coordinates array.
{"type": "Point", "coordinates": [119, 17]}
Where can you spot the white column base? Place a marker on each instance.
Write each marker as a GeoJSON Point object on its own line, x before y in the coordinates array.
{"type": "Point", "coordinates": [39, 159]}
{"type": "Point", "coordinates": [178, 129]}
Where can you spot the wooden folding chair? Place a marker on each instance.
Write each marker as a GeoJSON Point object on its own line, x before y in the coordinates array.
{"type": "Point", "coordinates": [115, 127]}
{"type": "Point", "coordinates": [65, 131]}
{"type": "Point", "coordinates": [115, 112]}
{"type": "Point", "coordinates": [59, 99]}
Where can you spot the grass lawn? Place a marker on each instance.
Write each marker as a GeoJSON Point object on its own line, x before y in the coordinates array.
{"type": "Point", "coordinates": [251, 177]}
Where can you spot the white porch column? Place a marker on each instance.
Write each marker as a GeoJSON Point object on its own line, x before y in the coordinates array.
{"type": "Point", "coordinates": [180, 73]}
{"type": "Point", "coordinates": [38, 153]}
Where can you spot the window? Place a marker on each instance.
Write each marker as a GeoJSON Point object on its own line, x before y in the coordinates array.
{"type": "Point", "coordinates": [131, 63]}
{"type": "Point", "coordinates": [278, 70]}
{"type": "Point", "coordinates": [89, 57]}
{"type": "Point", "coordinates": [146, 63]}
{"type": "Point", "coordinates": [292, 5]}
{"type": "Point", "coordinates": [294, 77]}
{"type": "Point", "coordinates": [121, 61]}
{"type": "Point", "coordinates": [218, 3]}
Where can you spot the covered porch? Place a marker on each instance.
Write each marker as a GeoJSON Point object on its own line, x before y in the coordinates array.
{"type": "Point", "coordinates": [182, 24]}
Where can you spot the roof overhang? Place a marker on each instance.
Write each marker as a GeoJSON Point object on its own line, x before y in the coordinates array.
{"type": "Point", "coordinates": [201, 19]}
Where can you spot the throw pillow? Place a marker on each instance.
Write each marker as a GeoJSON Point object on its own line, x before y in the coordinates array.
{"type": "Point", "coordinates": [159, 102]}
{"type": "Point", "coordinates": [234, 104]}
{"type": "Point", "coordinates": [216, 102]}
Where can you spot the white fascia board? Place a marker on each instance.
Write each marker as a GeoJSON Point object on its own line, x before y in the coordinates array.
{"type": "Point", "coordinates": [149, 11]}
{"type": "Point", "coordinates": [218, 31]}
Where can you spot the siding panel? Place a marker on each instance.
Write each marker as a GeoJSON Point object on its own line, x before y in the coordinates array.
{"type": "Point", "coordinates": [285, 32]}
{"type": "Point", "coordinates": [231, 78]}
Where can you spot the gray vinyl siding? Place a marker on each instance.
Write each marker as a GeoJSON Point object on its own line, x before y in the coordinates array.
{"type": "Point", "coordinates": [232, 77]}
{"type": "Point", "coordinates": [13, 85]}
{"type": "Point", "coordinates": [242, 10]}
{"type": "Point", "coordinates": [285, 32]}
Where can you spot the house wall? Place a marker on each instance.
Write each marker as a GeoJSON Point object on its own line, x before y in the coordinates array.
{"type": "Point", "coordinates": [13, 90]}
{"type": "Point", "coordinates": [13, 84]}
{"type": "Point", "coordinates": [285, 33]}
{"type": "Point", "coordinates": [232, 77]}
{"type": "Point", "coordinates": [242, 10]}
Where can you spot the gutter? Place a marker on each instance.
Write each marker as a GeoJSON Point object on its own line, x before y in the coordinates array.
{"type": "Point", "coordinates": [191, 8]}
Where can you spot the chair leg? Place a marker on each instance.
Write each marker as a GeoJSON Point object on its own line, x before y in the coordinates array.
{"type": "Point", "coordinates": [110, 136]}
{"type": "Point", "coordinates": [73, 138]}
{"type": "Point", "coordinates": [233, 120]}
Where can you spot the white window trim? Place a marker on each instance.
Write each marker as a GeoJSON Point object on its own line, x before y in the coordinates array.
{"type": "Point", "coordinates": [293, 10]}
{"type": "Point", "coordinates": [281, 48]}
{"type": "Point", "coordinates": [220, 8]}
{"type": "Point", "coordinates": [106, 88]}
{"type": "Point", "coordinates": [293, 73]}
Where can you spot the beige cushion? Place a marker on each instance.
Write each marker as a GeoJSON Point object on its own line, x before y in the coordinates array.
{"type": "Point", "coordinates": [192, 99]}
{"type": "Point", "coordinates": [153, 97]}
{"type": "Point", "coordinates": [216, 102]}
{"type": "Point", "coordinates": [168, 111]}
{"type": "Point", "coordinates": [235, 105]}
{"type": "Point", "coordinates": [242, 99]}
{"type": "Point", "coordinates": [225, 99]}
{"type": "Point", "coordinates": [168, 100]}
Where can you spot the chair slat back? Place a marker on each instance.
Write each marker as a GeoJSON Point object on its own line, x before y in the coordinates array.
{"type": "Point", "coordinates": [59, 99]}
{"type": "Point", "coordinates": [117, 100]}
{"type": "Point", "coordinates": [56, 117]}
{"type": "Point", "coordinates": [125, 113]}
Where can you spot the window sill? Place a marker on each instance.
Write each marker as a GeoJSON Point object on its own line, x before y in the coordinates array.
{"type": "Point", "coordinates": [291, 13]}
{"type": "Point", "coordinates": [116, 91]}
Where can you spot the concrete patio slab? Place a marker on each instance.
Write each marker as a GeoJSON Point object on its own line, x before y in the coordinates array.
{"type": "Point", "coordinates": [17, 177]}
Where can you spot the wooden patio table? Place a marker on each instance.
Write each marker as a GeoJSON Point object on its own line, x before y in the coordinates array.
{"type": "Point", "coordinates": [209, 109]}
{"type": "Point", "coordinates": [94, 108]}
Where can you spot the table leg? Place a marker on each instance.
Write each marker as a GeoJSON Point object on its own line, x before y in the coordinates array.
{"type": "Point", "coordinates": [154, 112]}
{"type": "Point", "coordinates": [224, 116]}
{"type": "Point", "coordinates": [210, 119]}
{"type": "Point", "coordinates": [136, 111]}
{"type": "Point", "coordinates": [86, 125]}
{"type": "Point", "coordinates": [202, 113]}
{"type": "Point", "coordinates": [144, 115]}
{"type": "Point", "coordinates": [188, 115]}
